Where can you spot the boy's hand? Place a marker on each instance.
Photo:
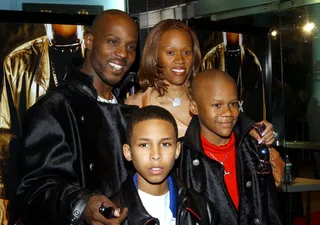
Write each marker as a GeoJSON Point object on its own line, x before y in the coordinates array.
{"type": "Point", "coordinates": [94, 217]}
{"type": "Point", "coordinates": [267, 135]}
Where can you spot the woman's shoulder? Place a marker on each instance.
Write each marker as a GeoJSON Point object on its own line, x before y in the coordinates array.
{"type": "Point", "coordinates": [139, 98]}
{"type": "Point", "coordinates": [135, 99]}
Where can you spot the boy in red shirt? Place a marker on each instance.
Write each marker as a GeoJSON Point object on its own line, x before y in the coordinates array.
{"type": "Point", "coordinates": [219, 159]}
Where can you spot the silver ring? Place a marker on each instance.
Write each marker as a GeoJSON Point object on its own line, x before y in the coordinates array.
{"type": "Point", "coordinates": [275, 134]}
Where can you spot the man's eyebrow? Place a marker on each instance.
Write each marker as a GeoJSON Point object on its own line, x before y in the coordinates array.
{"type": "Point", "coordinates": [117, 37]}
{"type": "Point", "coordinates": [111, 35]}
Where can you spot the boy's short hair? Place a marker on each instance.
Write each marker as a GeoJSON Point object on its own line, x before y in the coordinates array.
{"type": "Point", "coordinates": [150, 112]}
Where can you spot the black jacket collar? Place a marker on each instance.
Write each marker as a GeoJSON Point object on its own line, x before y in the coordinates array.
{"type": "Point", "coordinates": [192, 136]}
{"type": "Point", "coordinates": [137, 214]}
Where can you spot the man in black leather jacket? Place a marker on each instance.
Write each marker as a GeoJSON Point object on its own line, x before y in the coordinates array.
{"type": "Point", "coordinates": [70, 161]}
{"type": "Point", "coordinates": [219, 159]}
{"type": "Point", "coordinates": [153, 194]}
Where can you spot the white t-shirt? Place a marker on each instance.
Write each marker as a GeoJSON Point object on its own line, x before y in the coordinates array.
{"type": "Point", "coordinates": [158, 207]}
{"type": "Point", "coordinates": [111, 101]}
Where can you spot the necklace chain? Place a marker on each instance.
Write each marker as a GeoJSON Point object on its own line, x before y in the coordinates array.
{"type": "Point", "coordinates": [221, 162]}
{"type": "Point", "coordinates": [233, 52]}
{"type": "Point", "coordinates": [54, 73]}
{"type": "Point", "coordinates": [176, 101]}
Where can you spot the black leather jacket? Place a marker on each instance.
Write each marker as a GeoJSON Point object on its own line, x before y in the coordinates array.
{"type": "Point", "coordinates": [257, 194]}
{"type": "Point", "coordinates": [191, 207]}
{"type": "Point", "coordinates": [71, 147]}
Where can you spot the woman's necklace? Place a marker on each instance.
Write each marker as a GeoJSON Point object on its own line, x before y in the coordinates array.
{"type": "Point", "coordinates": [176, 101]}
{"type": "Point", "coordinates": [222, 162]}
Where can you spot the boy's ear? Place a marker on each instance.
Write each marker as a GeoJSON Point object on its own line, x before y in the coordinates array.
{"type": "Point", "coordinates": [88, 38]}
{"type": "Point", "coordinates": [178, 149]}
{"type": "Point", "coordinates": [126, 152]}
{"type": "Point", "coordinates": [193, 107]}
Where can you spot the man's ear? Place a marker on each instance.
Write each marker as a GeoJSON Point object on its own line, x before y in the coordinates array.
{"type": "Point", "coordinates": [126, 152]}
{"type": "Point", "coordinates": [193, 107]}
{"type": "Point", "coordinates": [88, 39]}
{"type": "Point", "coordinates": [178, 149]}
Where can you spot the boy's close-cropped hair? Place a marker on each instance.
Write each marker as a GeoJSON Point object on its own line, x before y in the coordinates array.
{"type": "Point", "coordinates": [150, 112]}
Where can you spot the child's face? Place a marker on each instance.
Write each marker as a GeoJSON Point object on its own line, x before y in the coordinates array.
{"type": "Point", "coordinates": [217, 109]}
{"type": "Point", "coordinates": [153, 150]}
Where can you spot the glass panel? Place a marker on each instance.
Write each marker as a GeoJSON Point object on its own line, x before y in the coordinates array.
{"type": "Point", "coordinates": [295, 49]}
{"type": "Point", "coordinates": [295, 70]}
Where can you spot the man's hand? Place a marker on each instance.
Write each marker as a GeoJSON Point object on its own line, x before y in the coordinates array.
{"type": "Point", "coordinates": [94, 217]}
{"type": "Point", "coordinates": [267, 135]}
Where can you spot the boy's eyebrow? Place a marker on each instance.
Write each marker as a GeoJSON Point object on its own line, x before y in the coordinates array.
{"type": "Point", "coordinates": [167, 138]}
{"type": "Point", "coordinates": [148, 139]}
{"type": "Point", "coordinates": [143, 139]}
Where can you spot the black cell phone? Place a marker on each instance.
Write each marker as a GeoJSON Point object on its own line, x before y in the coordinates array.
{"type": "Point", "coordinates": [107, 212]}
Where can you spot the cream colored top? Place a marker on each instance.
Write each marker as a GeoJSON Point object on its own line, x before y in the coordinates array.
{"type": "Point", "coordinates": [142, 99]}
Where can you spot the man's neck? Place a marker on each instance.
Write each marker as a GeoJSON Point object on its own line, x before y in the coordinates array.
{"type": "Point", "coordinates": [104, 90]}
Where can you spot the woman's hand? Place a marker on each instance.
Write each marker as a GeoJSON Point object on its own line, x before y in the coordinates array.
{"type": "Point", "coordinates": [277, 164]}
{"type": "Point", "coordinates": [267, 135]}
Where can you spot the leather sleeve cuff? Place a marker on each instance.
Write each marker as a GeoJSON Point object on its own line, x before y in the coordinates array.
{"type": "Point", "coordinates": [79, 206]}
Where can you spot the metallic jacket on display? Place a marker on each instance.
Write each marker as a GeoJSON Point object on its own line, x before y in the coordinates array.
{"type": "Point", "coordinates": [26, 77]}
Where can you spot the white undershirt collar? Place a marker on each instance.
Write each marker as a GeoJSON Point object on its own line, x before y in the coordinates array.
{"type": "Point", "coordinates": [111, 101]}
{"type": "Point", "coordinates": [158, 207]}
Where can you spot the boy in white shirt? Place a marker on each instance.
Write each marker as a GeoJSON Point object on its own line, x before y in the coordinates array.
{"type": "Point", "coordinates": [153, 194]}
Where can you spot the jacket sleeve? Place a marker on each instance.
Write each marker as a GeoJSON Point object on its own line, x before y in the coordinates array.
{"type": "Point", "coordinates": [8, 111]}
{"type": "Point", "coordinates": [9, 130]}
{"type": "Point", "coordinates": [51, 188]}
{"type": "Point", "coordinates": [6, 131]}
{"type": "Point", "coordinates": [214, 58]}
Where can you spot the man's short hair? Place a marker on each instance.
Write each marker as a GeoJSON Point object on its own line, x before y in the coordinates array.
{"type": "Point", "coordinates": [150, 112]}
